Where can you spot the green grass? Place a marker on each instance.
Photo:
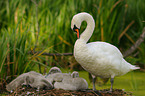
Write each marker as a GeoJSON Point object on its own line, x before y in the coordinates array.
{"type": "Point", "coordinates": [133, 81]}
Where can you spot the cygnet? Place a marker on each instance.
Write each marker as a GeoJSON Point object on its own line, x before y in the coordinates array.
{"type": "Point", "coordinates": [72, 83]}
{"type": "Point", "coordinates": [34, 79]}
{"type": "Point", "coordinates": [55, 74]}
{"type": "Point", "coordinates": [53, 70]}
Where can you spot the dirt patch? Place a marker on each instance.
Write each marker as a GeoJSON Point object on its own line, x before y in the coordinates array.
{"type": "Point", "coordinates": [23, 91]}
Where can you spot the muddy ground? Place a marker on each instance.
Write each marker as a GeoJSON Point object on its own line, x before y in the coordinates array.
{"type": "Point", "coordinates": [27, 90]}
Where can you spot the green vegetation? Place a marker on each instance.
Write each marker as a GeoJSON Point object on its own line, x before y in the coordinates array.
{"type": "Point", "coordinates": [14, 59]}
{"type": "Point", "coordinates": [44, 25]}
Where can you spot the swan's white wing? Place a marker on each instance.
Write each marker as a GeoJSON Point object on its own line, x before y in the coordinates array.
{"type": "Point", "coordinates": [104, 59]}
{"type": "Point", "coordinates": [104, 49]}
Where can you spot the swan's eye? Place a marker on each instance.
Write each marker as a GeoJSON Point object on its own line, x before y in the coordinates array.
{"type": "Point", "coordinates": [74, 29]}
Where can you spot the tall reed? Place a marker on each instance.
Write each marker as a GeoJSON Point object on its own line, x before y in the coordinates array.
{"type": "Point", "coordinates": [14, 57]}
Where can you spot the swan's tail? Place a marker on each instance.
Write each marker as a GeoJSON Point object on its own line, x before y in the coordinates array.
{"type": "Point", "coordinates": [130, 66]}
{"type": "Point", "coordinates": [134, 67]}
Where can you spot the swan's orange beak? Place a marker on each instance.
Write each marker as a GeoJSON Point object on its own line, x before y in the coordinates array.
{"type": "Point", "coordinates": [77, 30]}
{"type": "Point", "coordinates": [78, 33]}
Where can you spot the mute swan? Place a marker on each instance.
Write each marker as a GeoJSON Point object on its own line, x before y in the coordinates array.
{"type": "Point", "coordinates": [53, 70]}
{"type": "Point", "coordinates": [98, 58]}
{"type": "Point", "coordinates": [75, 74]}
{"type": "Point", "coordinates": [72, 83]}
{"type": "Point", "coordinates": [55, 75]}
{"type": "Point", "coordinates": [32, 78]}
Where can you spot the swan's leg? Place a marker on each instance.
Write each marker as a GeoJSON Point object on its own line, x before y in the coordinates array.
{"type": "Point", "coordinates": [94, 88]}
{"type": "Point", "coordinates": [94, 80]}
{"type": "Point", "coordinates": [112, 81]}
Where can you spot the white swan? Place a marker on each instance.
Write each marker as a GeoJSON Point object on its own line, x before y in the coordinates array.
{"type": "Point", "coordinates": [98, 58]}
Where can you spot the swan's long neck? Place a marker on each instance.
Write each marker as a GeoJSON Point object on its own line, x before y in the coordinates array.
{"type": "Point", "coordinates": [90, 27]}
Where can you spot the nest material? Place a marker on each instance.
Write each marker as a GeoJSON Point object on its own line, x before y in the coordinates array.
{"type": "Point", "coordinates": [24, 90]}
